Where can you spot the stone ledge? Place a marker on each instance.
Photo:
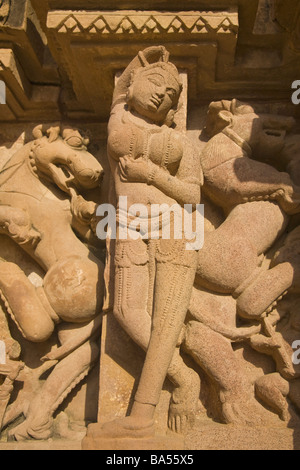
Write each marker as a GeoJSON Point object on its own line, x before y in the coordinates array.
{"type": "Point", "coordinates": [156, 443]}
{"type": "Point", "coordinates": [229, 437]}
{"type": "Point", "coordinates": [50, 444]}
{"type": "Point", "coordinates": [212, 436]}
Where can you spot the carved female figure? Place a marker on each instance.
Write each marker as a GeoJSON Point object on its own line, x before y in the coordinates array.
{"type": "Point", "coordinates": [151, 164]}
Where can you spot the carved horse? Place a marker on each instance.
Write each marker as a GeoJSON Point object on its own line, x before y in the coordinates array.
{"type": "Point", "coordinates": [42, 211]}
{"type": "Point", "coordinates": [257, 201]}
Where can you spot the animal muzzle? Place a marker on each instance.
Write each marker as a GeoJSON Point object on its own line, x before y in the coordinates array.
{"type": "Point", "coordinates": [89, 178]}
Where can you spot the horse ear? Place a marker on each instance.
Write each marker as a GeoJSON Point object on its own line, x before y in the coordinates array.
{"type": "Point", "coordinates": [225, 117]}
{"type": "Point", "coordinates": [217, 119]}
{"type": "Point", "coordinates": [38, 132]}
{"type": "Point", "coordinates": [41, 130]}
{"type": "Point", "coordinates": [240, 108]}
{"type": "Point", "coordinates": [53, 133]}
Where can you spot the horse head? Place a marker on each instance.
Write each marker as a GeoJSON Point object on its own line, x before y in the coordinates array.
{"type": "Point", "coordinates": [264, 133]}
{"type": "Point", "coordinates": [61, 156]}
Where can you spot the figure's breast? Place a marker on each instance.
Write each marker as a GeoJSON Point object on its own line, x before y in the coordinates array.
{"type": "Point", "coordinates": [166, 149]}
{"type": "Point", "coordinates": [162, 145]}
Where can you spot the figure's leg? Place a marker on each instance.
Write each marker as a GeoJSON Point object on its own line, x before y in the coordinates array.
{"type": "Point", "coordinates": [132, 309]}
{"type": "Point", "coordinates": [172, 292]}
{"type": "Point", "coordinates": [231, 254]}
{"type": "Point", "coordinates": [185, 397]}
{"type": "Point", "coordinates": [64, 377]}
{"type": "Point", "coordinates": [173, 288]}
{"type": "Point", "coordinates": [74, 288]}
{"type": "Point", "coordinates": [273, 390]}
{"type": "Point", "coordinates": [26, 304]}
{"type": "Point", "coordinates": [132, 284]}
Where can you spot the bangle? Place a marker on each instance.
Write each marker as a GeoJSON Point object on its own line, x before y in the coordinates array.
{"type": "Point", "coordinates": [151, 176]}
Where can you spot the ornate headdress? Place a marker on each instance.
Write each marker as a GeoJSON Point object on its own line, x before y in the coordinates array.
{"type": "Point", "coordinates": [163, 62]}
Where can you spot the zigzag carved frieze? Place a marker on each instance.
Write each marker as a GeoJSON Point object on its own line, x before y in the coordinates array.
{"type": "Point", "coordinates": [133, 22]}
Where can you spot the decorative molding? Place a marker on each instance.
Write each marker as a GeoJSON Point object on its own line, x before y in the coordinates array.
{"type": "Point", "coordinates": [24, 100]}
{"type": "Point", "coordinates": [133, 22]}
{"type": "Point", "coordinates": [4, 10]}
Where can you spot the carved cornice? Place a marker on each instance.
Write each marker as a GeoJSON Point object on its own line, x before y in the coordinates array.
{"type": "Point", "coordinates": [134, 22]}
{"type": "Point", "coordinates": [25, 101]}
{"type": "Point", "coordinates": [4, 10]}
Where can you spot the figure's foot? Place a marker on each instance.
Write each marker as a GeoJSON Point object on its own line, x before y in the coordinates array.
{"type": "Point", "coordinates": [65, 430]}
{"type": "Point", "coordinates": [11, 369]}
{"type": "Point", "coordinates": [24, 431]}
{"type": "Point", "coordinates": [239, 409]}
{"type": "Point", "coordinates": [122, 428]}
{"type": "Point", "coordinates": [184, 404]}
{"type": "Point", "coordinates": [273, 390]}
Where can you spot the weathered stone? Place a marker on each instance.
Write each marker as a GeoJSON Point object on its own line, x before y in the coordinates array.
{"type": "Point", "coordinates": [142, 344]}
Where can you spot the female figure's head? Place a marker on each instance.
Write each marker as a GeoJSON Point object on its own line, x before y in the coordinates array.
{"type": "Point", "coordinates": [154, 92]}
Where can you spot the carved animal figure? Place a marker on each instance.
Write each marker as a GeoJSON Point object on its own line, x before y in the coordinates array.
{"type": "Point", "coordinates": [42, 211]}
{"type": "Point", "coordinates": [257, 200]}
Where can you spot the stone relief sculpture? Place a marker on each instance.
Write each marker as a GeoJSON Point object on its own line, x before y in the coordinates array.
{"type": "Point", "coordinates": [240, 290]}
{"type": "Point", "coordinates": [43, 212]}
{"type": "Point", "coordinates": [238, 293]}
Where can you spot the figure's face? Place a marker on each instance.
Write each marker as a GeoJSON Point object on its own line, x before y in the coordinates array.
{"type": "Point", "coordinates": [154, 93]}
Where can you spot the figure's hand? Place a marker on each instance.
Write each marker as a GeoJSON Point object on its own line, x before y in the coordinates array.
{"type": "Point", "coordinates": [83, 210]}
{"type": "Point", "coordinates": [134, 171]}
{"type": "Point", "coordinates": [289, 199]}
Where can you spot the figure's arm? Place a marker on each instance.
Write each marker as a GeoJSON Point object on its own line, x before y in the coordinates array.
{"type": "Point", "coordinates": [15, 223]}
{"type": "Point", "coordinates": [263, 182]}
{"type": "Point", "coordinates": [183, 191]}
{"type": "Point", "coordinates": [242, 179]}
{"type": "Point", "coordinates": [84, 220]}
{"type": "Point", "coordinates": [185, 187]}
